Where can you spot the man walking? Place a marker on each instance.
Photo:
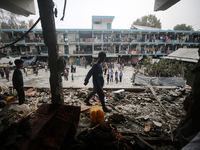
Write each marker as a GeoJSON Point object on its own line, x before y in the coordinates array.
{"type": "Point", "coordinates": [98, 81]}
{"type": "Point", "coordinates": [18, 80]}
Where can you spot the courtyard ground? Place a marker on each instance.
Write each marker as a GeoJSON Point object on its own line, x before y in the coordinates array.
{"type": "Point", "coordinates": [42, 79]}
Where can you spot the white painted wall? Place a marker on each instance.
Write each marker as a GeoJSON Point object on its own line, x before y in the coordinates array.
{"type": "Point", "coordinates": [60, 37]}
{"type": "Point", "coordinates": [71, 37]}
{"type": "Point", "coordinates": [103, 25]}
{"type": "Point", "coordinates": [72, 48]}
{"type": "Point", "coordinates": [32, 47]}
{"type": "Point", "coordinates": [61, 49]}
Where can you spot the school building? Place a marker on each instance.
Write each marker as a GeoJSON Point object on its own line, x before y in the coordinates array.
{"type": "Point", "coordinates": [119, 44]}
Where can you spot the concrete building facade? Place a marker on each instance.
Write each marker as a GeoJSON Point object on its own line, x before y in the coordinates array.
{"type": "Point", "coordinates": [119, 44]}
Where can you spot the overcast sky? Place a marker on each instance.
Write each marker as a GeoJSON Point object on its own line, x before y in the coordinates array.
{"type": "Point", "coordinates": [79, 13]}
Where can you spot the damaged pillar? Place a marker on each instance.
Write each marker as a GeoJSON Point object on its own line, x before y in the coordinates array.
{"type": "Point", "coordinates": [50, 40]}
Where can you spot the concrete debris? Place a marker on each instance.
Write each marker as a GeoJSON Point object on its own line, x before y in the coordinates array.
{"type": "Point", "coordinates": [138, 112]}
{"type": "Point", "coordinates": [158, 124]}
{"type": "Point", "coordinates": [117, 117]}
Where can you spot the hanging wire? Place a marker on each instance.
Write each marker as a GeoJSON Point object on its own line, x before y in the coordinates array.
{"type": "Point", "coordinates": [56, 10]}
{"type": "Point", "coordinates": [64, 10]}
{"type": "Point", "coordinates": [11, 44]}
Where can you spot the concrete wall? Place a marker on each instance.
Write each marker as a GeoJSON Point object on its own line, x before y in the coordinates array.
{"type": "Point", "coordinates": [103, 25]}
{"type": "Point", "coordinates": [71, 37]}
{"type": "Point", "coordinates": [60, 37]}
{"type": "Point", "coordinates": [32, 47]}
{"type": "Point", "coordinates": [61, 49]}
{"type": "Point", "coordinates": [72, 48]}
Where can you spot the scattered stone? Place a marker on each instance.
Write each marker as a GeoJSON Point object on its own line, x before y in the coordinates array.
{"type": "Point", "coordinates": [117, 117]}
{"type": "Point", "coordinates": [158, 124]}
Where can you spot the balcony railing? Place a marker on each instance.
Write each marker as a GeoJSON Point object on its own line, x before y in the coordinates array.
{"type": "Point", "coordinates": [86, 40]}
{"type": "Point", "coordinates": [82, 52]}
{"type": "Point", "coordinates": [121, 40]}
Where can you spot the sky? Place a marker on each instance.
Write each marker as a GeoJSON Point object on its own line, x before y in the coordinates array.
{"type": "Point", "coordinates": [79, 13]}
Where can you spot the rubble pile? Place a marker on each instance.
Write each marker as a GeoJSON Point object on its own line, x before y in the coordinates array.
{"type": "Point", "coordinates": [149, 116]}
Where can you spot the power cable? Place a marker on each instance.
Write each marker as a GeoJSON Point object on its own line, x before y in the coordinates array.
{"type": "Point", "coordinates": [64, 11]}
{"type": "Point", "coordinates": [11, 44]}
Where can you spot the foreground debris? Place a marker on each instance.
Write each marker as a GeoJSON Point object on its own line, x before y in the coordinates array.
{"type": "Point", "coordinates": [138, 119]}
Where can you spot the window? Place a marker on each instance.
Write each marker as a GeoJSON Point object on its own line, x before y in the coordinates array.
{"type": "Point", "coordinates": [66, 49]}
{"type": "Point", "coordinates": [97, 22]}
{"type": "Point", "coordinates": [44, 49]}
{"type": "Point", "coordinates": [108, 25]}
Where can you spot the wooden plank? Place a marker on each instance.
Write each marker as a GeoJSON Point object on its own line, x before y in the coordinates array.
{"type": "Point", "coordinates": [158, 100]}
{"type": "Point", "coordinates": [166, 112]}
{"type": "Point", "coordinates": [83, 108]}
{"type": "Point", "coordinates": [142, 143]}
{"type": "Point", "coordinates": [37, 100]}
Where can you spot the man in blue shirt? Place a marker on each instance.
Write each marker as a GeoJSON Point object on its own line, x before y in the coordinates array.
{"type": "Point", "coordinates": [98, 81]}
{"type": "Point", "coordinates": [120, 76]}
{"type": "Point", "coordinates": [111, 76]}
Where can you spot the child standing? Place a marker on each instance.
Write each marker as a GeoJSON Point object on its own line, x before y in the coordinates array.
{"type": "Point", "coordinates": [72, 77]}
{"type": "Point", "coordinates": [18, 80]}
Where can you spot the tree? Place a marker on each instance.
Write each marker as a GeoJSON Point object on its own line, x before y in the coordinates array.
{"type": "Point", "coordinates": [10, 20]}
{"type": "Point", "coordinates": [149, 21]}
{"type": "Point", "coordinates": [183, 27]}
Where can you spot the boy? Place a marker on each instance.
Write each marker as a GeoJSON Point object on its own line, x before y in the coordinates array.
{"type": "Point", "coordinates": [18, 80]}
{"type": "Point", "coordinates": [72, 77]}
{"type": "Point", "coordinates": [98, 81]}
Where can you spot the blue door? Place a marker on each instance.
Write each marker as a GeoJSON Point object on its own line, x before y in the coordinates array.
{"type": "Point", "coordinates": [108, 25]}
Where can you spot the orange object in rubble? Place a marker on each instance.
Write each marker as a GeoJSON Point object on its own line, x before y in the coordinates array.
{"type": "Point", "coordinates": [96, 114]}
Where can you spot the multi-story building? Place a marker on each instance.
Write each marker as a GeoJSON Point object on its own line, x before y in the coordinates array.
{"type": "Point", "coordinates": [119, 44]}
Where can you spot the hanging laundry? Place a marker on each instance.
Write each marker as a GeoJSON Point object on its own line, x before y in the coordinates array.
{"type": "Point", "coordinates": [31, 35]}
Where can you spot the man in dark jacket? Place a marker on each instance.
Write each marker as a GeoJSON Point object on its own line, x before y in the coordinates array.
{"type": "Point", "coordinates": [18, 80]}
{"type": "Point", "coordinates": [98, 81]}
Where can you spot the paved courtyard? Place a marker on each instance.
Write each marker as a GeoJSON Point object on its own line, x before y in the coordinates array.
{"type": "Point", "coordinates": [42, 79]}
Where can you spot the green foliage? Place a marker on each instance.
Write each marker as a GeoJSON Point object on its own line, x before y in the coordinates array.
{"type": "Point", "coordinates": [183, 27]}
{"type": "Point", "coordinates": [149, 21]}
{"type": "Point", "coordinates": [167, 68]}
{"type": "Point", "coordinates": [15, 23]}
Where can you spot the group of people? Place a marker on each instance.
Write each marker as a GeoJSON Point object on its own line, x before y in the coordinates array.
{"type": "Point", "coordinates": [111, 74]}
{"type": "Point", "coordinates": [108, 71]}
{"type": "Point", "coordinates": [66, 73]}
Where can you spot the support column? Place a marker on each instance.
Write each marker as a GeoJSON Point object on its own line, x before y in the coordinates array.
{"type": "Point", "coordinates": [50, 39]}
{"type": "Point", "coordinates": [92, 48]}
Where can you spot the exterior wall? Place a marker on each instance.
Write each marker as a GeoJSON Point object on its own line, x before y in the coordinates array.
{"type": "Point", "coordinates": [72, 48]}
{"type": "Point", "coordinates": [60, 37]}
{"type": "Point", "coordinates": [72, 37]}
{"type": "Point", "coordinates": [32, 47]}
{"type": "Point", "coordinates": [61, 49]}
{"type": "Point", "coordinates": [126, 40]}
{"type": "Point", "coordinates": [103, 24]}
